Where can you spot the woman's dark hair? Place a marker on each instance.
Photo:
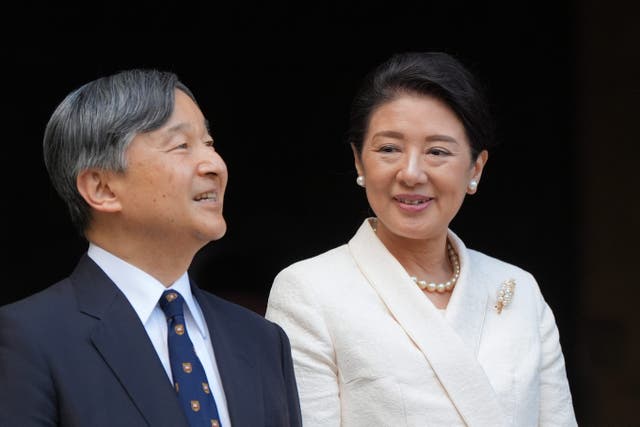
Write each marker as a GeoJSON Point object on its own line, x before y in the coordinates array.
{"type": "Point", "coordinates": [433, 74]}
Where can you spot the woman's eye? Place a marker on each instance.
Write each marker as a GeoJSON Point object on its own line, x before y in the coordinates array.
{"type": "Point", "coordinates": [437, 152]}
{"type": "Point", "coordinates": [388, 149]}
{"type": "Point", "coordinates": [209, 143]}
{"type": "Point", "coordinates": [182, 146]}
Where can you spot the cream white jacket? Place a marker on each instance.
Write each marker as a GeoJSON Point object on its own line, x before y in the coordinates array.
{"type": "Point", "coordinates": [370, 349]}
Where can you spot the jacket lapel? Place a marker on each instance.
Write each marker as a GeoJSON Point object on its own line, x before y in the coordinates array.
{"type": "Point", "coordinates": [450, 348]}
{"type": "Point", "coordinates": [468, 305]}
{"type": "Point", "coordinates": [122, 341]}
{"type": "Point", "coordinates": [237, 372]}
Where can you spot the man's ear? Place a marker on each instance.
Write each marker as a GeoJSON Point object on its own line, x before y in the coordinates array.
{"type": "Point", "coordinates": [93, 185]}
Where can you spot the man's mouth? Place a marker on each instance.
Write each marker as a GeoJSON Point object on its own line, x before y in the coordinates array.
{"type": "Point", "coordinates": [210, 195]}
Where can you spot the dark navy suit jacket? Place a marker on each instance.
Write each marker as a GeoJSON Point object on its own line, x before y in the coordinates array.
{"type": "Point", "coordinates": [76, 354]}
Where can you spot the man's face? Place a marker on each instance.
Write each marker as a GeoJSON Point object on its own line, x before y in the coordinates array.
{"type": "Point", "coordinates": [173, 188]}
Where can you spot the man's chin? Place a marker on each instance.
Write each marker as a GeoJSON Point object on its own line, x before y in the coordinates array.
{"type": "Point", "coordinates": [219, 232]}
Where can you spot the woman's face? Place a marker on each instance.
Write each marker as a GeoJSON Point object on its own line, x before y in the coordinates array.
{"type": "Point", "coordinates": [417, 165]}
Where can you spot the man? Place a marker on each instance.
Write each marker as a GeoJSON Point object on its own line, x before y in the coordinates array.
{"type": "Point", "coordinates": [132, 157]}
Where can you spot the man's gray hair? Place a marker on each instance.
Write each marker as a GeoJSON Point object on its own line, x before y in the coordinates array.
{"type": "Point", "coordinates": [94, 125]}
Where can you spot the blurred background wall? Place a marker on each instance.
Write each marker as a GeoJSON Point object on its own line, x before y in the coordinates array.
{"type": "Point", "coordinates": [607, 152]}
{"type": "Point", "coordinates": [558, 197]}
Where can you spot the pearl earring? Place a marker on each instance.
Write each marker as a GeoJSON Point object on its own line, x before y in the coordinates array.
{"type": "Point", "coordinates": [360, 180]}
{"type": "Point", "coordinates": [473, 185]}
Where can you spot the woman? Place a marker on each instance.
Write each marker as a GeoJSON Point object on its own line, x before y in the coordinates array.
{"type": "Point", "coordinates": [404, 325]}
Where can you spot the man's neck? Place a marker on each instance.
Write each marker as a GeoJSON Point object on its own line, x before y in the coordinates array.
{"type": "Point", "coordinates": [163, 262]}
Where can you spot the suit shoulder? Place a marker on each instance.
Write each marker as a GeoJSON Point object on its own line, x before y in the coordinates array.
{"type": "Point", "coordinates": [247, 327]}
{"type": "Point", "coordinates": [498, 270]}
{"type": "Point", "coordinates": [38, 318]}
{"type": "Point", "coordinates": [45, 303]}
{"type": "Point", "coordinates": [234, 311]}
{"type": "Point", "coordinates": [317, 279]}
{"type": "Point", "coordinates": [335, 259]}
{"type": "Point", "coordinates": [480, 259]}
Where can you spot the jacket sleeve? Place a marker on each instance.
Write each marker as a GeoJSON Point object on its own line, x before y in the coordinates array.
{"type": "Point", "coordinates": [556, 406]}
{"type": "Point", "coordinates": [27, 396]}
{"type": "Point", "coordinates": [293, 400]}
{"type": "Point", "coordinates": [293, 306]}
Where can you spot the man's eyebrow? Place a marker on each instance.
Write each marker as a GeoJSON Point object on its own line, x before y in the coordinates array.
{"type": "Point", "coordinates": [178, 127]}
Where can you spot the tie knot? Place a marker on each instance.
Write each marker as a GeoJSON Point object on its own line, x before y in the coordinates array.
{"type": "Point", "coordinates": [171, 303]}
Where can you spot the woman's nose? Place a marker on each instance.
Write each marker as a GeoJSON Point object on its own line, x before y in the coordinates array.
{"type": "Point", "coordinates": [412, 171]}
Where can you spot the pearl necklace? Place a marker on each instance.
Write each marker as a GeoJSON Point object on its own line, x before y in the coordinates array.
{"type": "Point", "coordinates": [432, 286]}
{"type": "Point", "coordinates": [449, 284]}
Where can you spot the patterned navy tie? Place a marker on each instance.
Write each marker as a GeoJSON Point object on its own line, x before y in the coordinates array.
{"type": "Point", "coordinates": [189, 378]}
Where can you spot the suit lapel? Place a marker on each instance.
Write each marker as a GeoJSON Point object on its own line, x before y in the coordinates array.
{"type": "Point", "coordinates": [124, 344]}
{"type": "Point", "coordinates": [468, 305]}
{"type": "Point", "coordinates": [237, 372]}
{"type": "Point", "coordinates": [450, 348]}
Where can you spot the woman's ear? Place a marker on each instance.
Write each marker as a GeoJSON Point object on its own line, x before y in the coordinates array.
{"type": "Point", "coordinates": [476, 171]}
{"type": "Point", "coordinates": [357, 161]}
{"type": "Point", "coordinates": [93, 185]}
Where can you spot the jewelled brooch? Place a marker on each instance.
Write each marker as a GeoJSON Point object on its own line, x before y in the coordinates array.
{"type": "Point", "coordinates": [505, 295]}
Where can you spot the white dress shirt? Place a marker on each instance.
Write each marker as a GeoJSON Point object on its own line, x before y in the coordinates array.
{"type": "Point", "coordinates": [143, 293]}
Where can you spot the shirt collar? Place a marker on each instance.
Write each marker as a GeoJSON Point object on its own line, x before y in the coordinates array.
{"type": "Point", "coordinates": [143, 290]}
